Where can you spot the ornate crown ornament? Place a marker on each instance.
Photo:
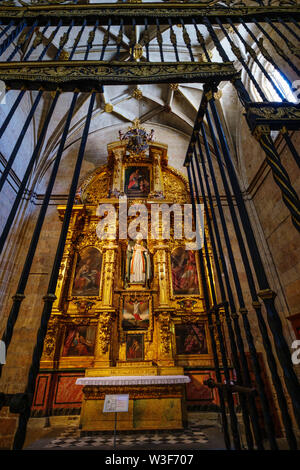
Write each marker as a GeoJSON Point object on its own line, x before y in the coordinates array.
{"type": "Point", "coordinates": [137, 137]}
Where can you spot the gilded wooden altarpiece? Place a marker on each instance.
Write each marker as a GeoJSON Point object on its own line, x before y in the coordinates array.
{"type": "Point", "coordinates": [100, 309]}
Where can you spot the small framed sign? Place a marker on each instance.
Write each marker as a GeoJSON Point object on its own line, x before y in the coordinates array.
{"type": "Point", "coordinates": [115, 403]}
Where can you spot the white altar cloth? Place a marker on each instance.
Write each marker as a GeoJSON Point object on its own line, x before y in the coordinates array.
{"type": "Point", "coordinates": [134, 380]}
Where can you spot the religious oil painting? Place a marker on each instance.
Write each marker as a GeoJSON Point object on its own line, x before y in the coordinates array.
{"type": "Point", "coordinates": [138, 262]}
{"type": "Point", "coordinates": [184, 272]}
{"type": "Point", "coordinates": [137, 181]}
{"type": "Point", "coordinates": [79, 341]}
{"type": "Point", "coordinates": [196, 391]}
{"type": "Point", "coordinates": [134, 347]}
{"type": "Point", "coordinates": [191, 339]}
{"type": "Point", "coordinates": [135, 313]}
{"type": "Point", "coordinates": [87, 272]}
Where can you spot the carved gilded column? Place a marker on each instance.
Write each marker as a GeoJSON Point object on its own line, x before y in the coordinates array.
{"type": "Point", "coordinates": [157, 176]}
{"type": "Point", "coordinates": [165, 353]}
{"type": "Point", "coordinates": [107, 313]}
{"type": "Point", "coordinates": [161, 267]}
{"type": "Point", "coordinates": [77, 220]}
{"type": "Point", "coordinates": [109, 265]}
{"type": "Point", "coordinates": [117, 177]}
{"type": "Point", "coordinates": [103, 338]}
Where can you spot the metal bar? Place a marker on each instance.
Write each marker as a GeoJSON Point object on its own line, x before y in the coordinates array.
{"type": "Point", "coordinates": [21, 94]}
{"type": "Point", "coordinates": [215, 309]}
{"type": "Point", "coordinates": [224, 303]}
{"type": "Point", "coordinates": [265, 292]}
{"type": "Point", "coordinates": [239, 56]}
{"type": "Point", "coordinates": [7, 42]}
{"type": "Point", "coordinates": [228, 386]}
{"type": "Point", "coordinates": [280, 20]}
{"type": "Point", "coordinates": [4, 31]}
{"type": "Point", "coordinates": [132, 39]}
{"type": "Point", "coordinates": [119, 39]}
{"type": "Point", "coordinates": [242, 92]}
{"type": "Point", "coordinates": [22, 41]}
{"type": "Point", "coordinates": [90, 40]}
{"type": "Point", "coordinates": [173, 39]}
{"type": "Point", "coordinates": [201, 41]}
{"type": "Point", "coordinates": [291, 146]}
{"type": "Point", "coordinates": [257, 371]}
{"type": "Point", "coordinates": [19, 141]}
{"type": "Point", "coordinates": [22, 135]}
{"type": "Point", "coordinates": [127, 10]}
{"type": "Point", "coordinates": [263, 49]}
{"type": "Point", "coordinates": [77, 39]}
{"type": "Point", "coordinates": [247, 380]}
{"type": "Point", "coordinates": [212, 337]}
{"type": "Point", "coordinates": [282, 36]}
{"type": "Point", "coordinates": [277, 48]}
{"type": "Point", "coordinates": [187, 40]}
{"type": "Point", "coordinates": [37, 41]}
{"type": "Point", "coordinates": [267, 344]}
{"type": "Point", "coordinates": [280, 175]}
{"type": "Point", "coordinates": [105, 39]}
{"type": "Point", "coordinates": [19, 295]}
{"type": "Point", "coordinates": [50, 296]}
{"type": "Point", "coordinates": [86, 75]}
{"type": "Point", "coordinates": [146, 39]}
{"type": "Point", "coordinates": [159, 40]}
{"type": "Point", "coordinates": [254, 57]}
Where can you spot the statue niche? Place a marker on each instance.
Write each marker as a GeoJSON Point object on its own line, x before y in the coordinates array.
{"type": "Point", "coordinates": [138, 263]}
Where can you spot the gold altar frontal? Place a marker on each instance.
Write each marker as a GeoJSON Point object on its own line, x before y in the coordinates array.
{"type": "Point", "coordinates": [151, 407]}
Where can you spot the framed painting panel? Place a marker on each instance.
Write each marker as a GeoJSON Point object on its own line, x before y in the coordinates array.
{"type": "Point", "coordinates": [185, 279]}
{"type": "Point", "coordinates": [79, 341]}
{"type": "Point", "coordinates": [136, 313]}
{"type": "Point", "coordinates": [191, 339]}
{"type": "Point", "coordinates": [134, 347]}
{"type": "Point", "coordinates": [137, 181]}
{"type": "Point", "coordinates": [87, 272]}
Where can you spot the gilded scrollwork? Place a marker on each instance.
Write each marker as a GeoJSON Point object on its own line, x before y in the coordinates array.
{"type": "Point", "coordinates": [88, 75]}
{"type": "Point", "coordinates": [174, 187]}
{"type": "Point", "coordinates": [104, 332]}
{"type": "Point", "coordinates": [164, 320]}
{"type": "Point", "coordinates": [154, 391]}
{"type": "Point", "coordinates": [51, 337]}
{"type": "Point", "coordinates": [97, 187]}
{"type": "Point", "coordinates": [282, 112]}
{"type": "Point", "coordinates": [84, 306]}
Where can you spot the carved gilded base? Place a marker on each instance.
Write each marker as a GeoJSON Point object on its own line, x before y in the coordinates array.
{"type": "Point", "coordinates": [150, 407]}
{"type": "Point", "coordinates": [98, 364]}
{"type": "Point", "coordinates": [133, 369]}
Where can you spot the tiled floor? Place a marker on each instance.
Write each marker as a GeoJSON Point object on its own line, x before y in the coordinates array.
{"type": "Point", "coordinates": [195, 436]}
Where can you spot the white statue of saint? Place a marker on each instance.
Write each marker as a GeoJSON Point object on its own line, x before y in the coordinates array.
{"type": "Point", "coordinates": [140, 267]}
